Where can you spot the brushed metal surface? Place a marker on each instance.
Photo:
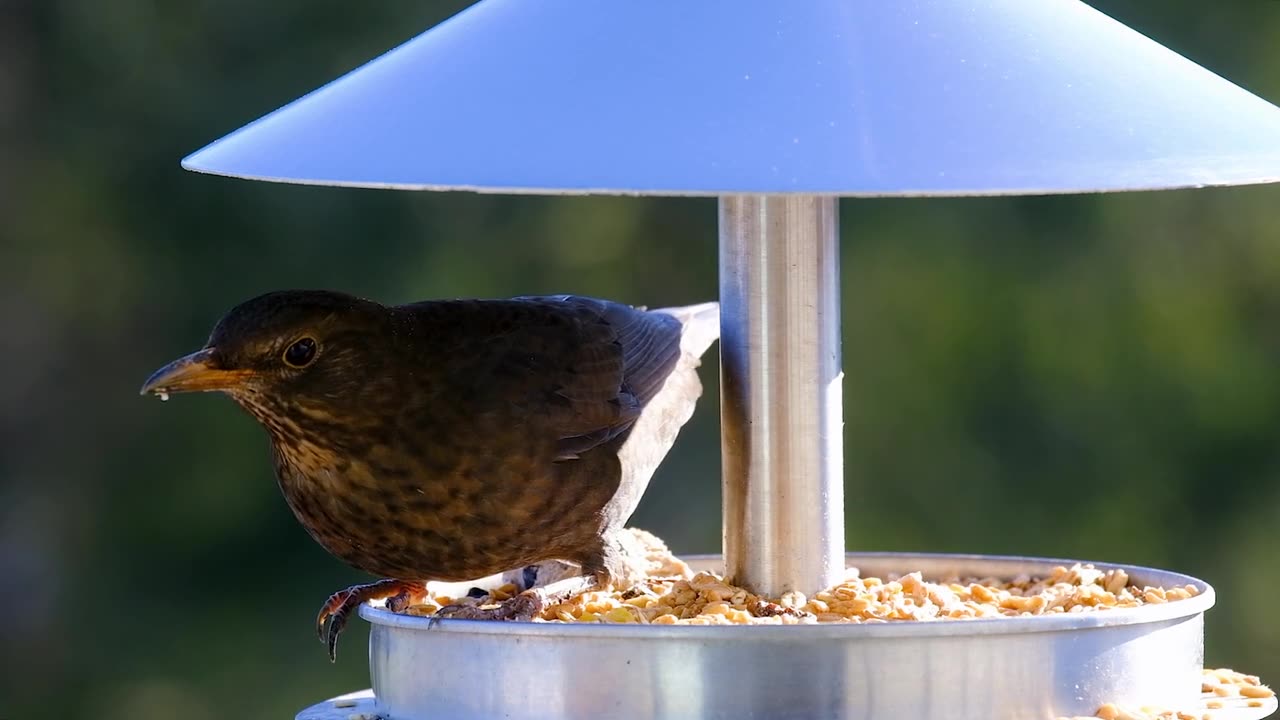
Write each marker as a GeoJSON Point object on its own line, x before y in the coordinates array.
{"type": "Point", "coordinates": [832, 97]}
{"type": "Point", "coordinates": [1010, 668]}
{"type": "Point", "coordinates": [780, 390]}
{"type": "Point", "coordinates": [361, 705]}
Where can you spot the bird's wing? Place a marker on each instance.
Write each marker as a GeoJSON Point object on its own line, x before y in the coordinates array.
{"type": "Point", "coordinates": [579, 370]}
{"type": "Point", "coordinates": [623, 360]}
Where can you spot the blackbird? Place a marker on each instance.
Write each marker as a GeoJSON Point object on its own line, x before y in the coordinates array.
{"type": "Point", "coordinates": [454, 439]}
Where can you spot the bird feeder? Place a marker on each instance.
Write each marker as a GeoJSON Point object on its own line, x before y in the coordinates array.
{"type": "Point", "coordinates": [778, 109]}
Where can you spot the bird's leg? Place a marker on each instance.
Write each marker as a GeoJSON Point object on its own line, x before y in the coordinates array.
{"type": "Point", "coordinates": [525, 606]}
{"type": "Point", "coordinates": [336, 610]}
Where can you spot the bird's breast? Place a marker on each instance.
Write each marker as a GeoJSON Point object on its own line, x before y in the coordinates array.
{"type": "Point", "coordinates": [411, 515]}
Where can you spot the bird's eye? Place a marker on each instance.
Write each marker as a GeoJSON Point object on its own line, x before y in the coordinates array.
{"type": "Point", "coordinates": [300, 353]}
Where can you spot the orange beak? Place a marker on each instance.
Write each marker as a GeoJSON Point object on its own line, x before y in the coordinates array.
{"type": "Point", "coordinates": [197, 372]}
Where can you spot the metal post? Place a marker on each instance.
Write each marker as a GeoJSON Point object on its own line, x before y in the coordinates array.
{"type": "Point", "coordinates": [780, 392]}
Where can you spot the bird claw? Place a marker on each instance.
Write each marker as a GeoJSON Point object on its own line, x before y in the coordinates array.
{"type": "Point", "coordinates": [521, 608]}
{"type": "Point", "coordinates": [401, 601]}
{"type": "Point", "coordinates": [637, 590]}
{"type": "Point", "coordinates": [333, 618]}
{"type": "Point", "coordinates": [335, 612]}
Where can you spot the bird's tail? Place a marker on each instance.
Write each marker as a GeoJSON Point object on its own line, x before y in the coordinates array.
{"type": "Point", "coordinates": [701, 326]}
{"type": "Point", "coordinates": [653, 434]}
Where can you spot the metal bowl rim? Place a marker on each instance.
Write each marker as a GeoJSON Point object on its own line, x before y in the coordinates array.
{"type": "Point", "coordinates": [850, 631]}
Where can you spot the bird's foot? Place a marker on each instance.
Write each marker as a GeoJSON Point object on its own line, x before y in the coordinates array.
{"type": "Point", "coordinates": [338, 608]}
{"type": "Point", "coordinates": [523, 607]}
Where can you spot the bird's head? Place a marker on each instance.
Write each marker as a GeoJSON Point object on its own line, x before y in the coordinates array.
{"type": "Point", "coordinates": [286, 350]}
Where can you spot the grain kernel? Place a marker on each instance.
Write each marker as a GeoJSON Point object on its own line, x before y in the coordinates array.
{"type": "Point", "coordinates": [1256, 691]}
{"type": "Point", "coordinates": [704, 581]}
{"type": "Point", "coordinates": [1115, 581]}
{"type": "Point", "coordinates": [981, 593]}
{"type": "Point", "coordinates": [620, 615]}
{"type": "Point", "coordinates": [715, 608]}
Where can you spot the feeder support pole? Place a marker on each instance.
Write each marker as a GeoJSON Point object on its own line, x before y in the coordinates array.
{"type": "Point", "coordinates": [780, 384]}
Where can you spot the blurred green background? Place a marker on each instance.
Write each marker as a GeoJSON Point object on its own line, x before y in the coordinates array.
{"type": "Point", "coordinates": [1091, 376]}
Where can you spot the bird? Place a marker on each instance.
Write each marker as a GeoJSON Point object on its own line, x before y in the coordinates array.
{"type": "Point", "coordinates": [454, 439]}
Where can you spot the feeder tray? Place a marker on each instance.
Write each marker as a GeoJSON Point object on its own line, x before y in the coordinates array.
{"type": "Point", "coordinates": [1022, 668]}
{"type": "Point", "coordinates": [1032, 667]}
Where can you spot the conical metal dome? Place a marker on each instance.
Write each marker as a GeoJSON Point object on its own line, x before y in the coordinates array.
{"type": "Point", "coordinates": [847, 97]}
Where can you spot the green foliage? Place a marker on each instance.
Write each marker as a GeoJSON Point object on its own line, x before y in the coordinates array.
{"type": "Point", "coordinates": [1082, 376]}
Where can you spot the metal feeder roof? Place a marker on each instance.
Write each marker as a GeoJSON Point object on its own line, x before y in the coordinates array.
{"type": "Point", "coordinates": [831, 97]}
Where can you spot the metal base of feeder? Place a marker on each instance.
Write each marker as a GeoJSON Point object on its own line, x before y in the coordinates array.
{"type": "Point", "coordinates": [362, 705]}
{"type": "Point", "coordinates": [1016, 668]}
